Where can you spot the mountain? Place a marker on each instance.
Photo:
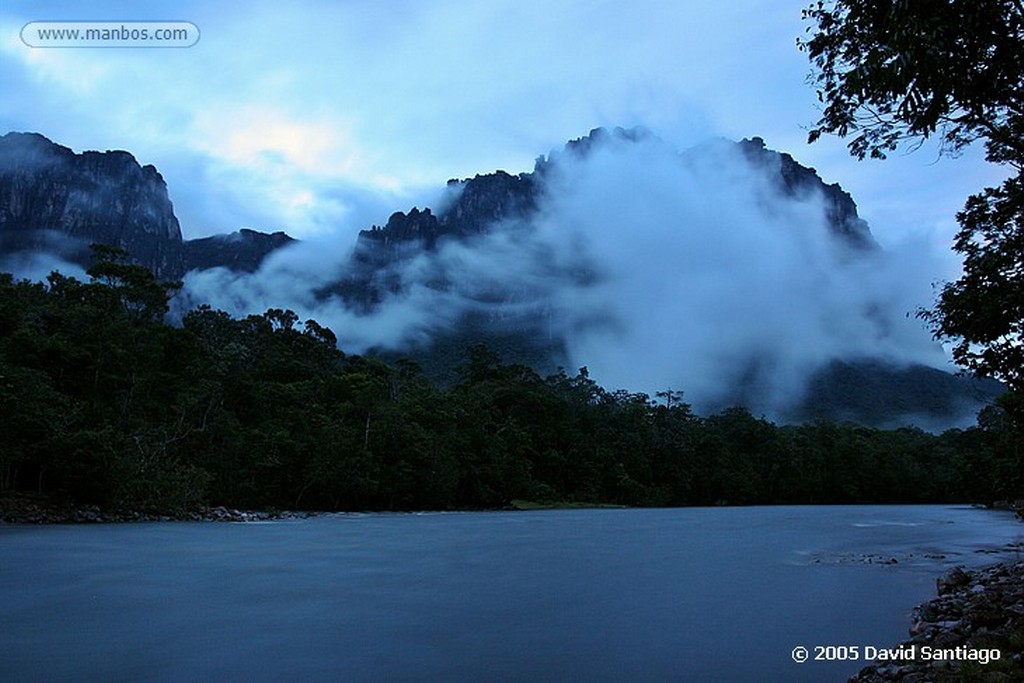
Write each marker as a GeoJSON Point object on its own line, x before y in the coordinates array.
{"type": "Point", "coordinates": [799, 182]}
{"type": "Point", "coordinates": [872, 392]}
{"type": "Point", "coordinates": [241, 251]}
{"type": "Point", "coordinates": [54, 200]}
{"type": "Point", "coordinates": [447, 265]}
{"type": "Point", "coordinates": [863, 389]}
{"type": "Point", "coordinates": [486, 200]}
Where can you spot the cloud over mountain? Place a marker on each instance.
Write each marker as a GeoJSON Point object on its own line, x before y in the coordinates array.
{"type": "Point", "coordinates": [727, 270]}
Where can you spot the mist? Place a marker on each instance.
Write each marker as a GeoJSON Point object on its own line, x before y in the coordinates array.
{"type": "Point", "coordinates": [655, 269]}
{"type": "Point", "coordinates": [52, 251]}
{"type": "Point", "coordinates": [712, 279]}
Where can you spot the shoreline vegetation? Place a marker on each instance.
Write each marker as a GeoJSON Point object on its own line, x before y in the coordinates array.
{"type": "Point", "coordinates": [107, 405]}
{"type": "Point", "coordinates": [33, 508]}
{"type": "Point", "coordinates": [22, 508]}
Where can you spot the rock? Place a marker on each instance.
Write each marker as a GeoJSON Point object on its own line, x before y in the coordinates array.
{"type": "Point", "coordinates": [954, 579]}
{"type": "Point", "coordinates": [989, 620]}
{"type": "Point", "coordinates": [242, 251]}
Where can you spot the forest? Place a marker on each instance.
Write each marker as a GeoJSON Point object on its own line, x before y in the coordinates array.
{"type": "Point", "coordinates": [106, 404]}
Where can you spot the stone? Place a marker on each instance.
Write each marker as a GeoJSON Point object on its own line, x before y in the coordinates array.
{"type": "Point", "coordinates": [954, 579]}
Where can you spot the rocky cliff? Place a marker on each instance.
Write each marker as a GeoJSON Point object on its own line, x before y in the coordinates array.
{"type": "Point", "coordinates": [54, 200]}
{"type": "Point", "coordinates": [798, 181]}
{"type": "Point", "coordinates": [863, 390]}
{"type": "Point", "coordinates": [241, 251]}
{"type": "Point", "coordinates": [481, 202]}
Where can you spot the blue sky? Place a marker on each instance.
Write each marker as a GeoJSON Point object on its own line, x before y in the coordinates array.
{"type": "Point", "coordinates": [315, 117]}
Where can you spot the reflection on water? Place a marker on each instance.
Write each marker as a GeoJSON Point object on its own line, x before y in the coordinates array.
{"type": "Point", "coordinates": [639, 595]}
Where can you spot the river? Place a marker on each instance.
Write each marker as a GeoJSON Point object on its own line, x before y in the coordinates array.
{"type": "Point", "coordinates": [699, 594]}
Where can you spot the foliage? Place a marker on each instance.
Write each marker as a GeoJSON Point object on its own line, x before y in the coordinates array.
{"type": "Point", "coordinates": [984, 309]}
{"type": "Point", "coordinates": [105, 406]}
{"type": "Point", "coordinates": [889, 72]}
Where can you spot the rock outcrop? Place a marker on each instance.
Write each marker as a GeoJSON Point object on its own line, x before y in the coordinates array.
{"type": "Point", "coordinates": [799, 182]}
{"type": "Point", "coordinates": [54, 200]}
{"type": "Point", "coordinates": [482, 201]}
{"type": "Point", "coordinates": [486, 200]}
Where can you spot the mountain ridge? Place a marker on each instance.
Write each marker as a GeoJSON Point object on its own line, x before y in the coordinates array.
{"type": "Point", "coordinates": [54, 200]}
{"type": "Point", "coordinates": [488, 198]}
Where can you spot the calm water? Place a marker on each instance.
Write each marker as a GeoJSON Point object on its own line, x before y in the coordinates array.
{"type": "Point", "coordinates": [578, 595]}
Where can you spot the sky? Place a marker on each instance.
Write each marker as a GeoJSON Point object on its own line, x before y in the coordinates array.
{"type": "Point", "coordinates": [324, 117]}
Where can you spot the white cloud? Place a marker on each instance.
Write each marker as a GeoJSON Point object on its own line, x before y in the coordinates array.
{"type": "Point", "coordinates": [261, 135]}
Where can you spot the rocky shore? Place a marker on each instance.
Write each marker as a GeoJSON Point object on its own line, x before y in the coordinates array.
{"type": "Point", "coordinates": [973, 631]}
{"type": "Point", "coordinates": [32, 510]}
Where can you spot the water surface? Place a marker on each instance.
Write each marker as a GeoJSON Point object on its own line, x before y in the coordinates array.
{"type": "Point", "coordinates": [696, 594]}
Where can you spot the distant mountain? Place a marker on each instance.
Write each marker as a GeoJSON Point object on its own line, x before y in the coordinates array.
{"type": "Point", "coordinates": [241, 251]}
{"type": "Point", "coordinates": [54, 200]}
{"type": "Point", "coordinates": [487, 200]}
{"type": "Point", "coordinates": [872, 392]}
{"type": "Point", "coordinates": [800, 182]}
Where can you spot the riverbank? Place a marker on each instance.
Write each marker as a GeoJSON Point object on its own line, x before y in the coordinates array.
{"type": "Point", "coordinates": [28, 509]}
{"type": "Point", "coordinates": [21, 508]}
{"type": "Point", "coordinates": [517, 504]}
{"type": "Point", "coordinates": [977, 616]}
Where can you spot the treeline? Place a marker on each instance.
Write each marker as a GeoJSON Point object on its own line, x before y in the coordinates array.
{"type": "Point", "coordinates": [103, 403]}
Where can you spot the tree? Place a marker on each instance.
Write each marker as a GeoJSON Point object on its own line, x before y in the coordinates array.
{"type": "Point", "coordinates": [983, 311]}
{"type": "Point", "coordinates": [132, 287]}
{"type": "Point", "coordinates": [893, 71]}
{"type": "Point", "coordinates": [890, 71]}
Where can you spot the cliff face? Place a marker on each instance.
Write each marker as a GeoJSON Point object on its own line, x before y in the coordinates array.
{"type": "Point", "coordinates": [480, 204]}
{"type": "Point", "coordinates": [51, 196]}
{"type": "Point", "coordinates": [482, 201]}
{"type": "Point", "coordinates": [798, 181]}
{"type": "Point", "coordinates": [53, 200]}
